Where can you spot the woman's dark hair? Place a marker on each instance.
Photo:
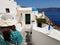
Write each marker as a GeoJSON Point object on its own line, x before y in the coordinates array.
{"type": "Point", "coordinates": [6, 31]}
{"type": "Point", "coordinates": [13, 28]}
{"type": "Point", "coordinates": [6, 35]}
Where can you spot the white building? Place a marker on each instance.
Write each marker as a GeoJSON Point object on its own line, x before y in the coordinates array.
{"type": "Point", "coordinates": [8, 7]}
{"type": "Point", "coordinates": [26, 15]}
{"type": "Point", "coordinates": [41, 15]}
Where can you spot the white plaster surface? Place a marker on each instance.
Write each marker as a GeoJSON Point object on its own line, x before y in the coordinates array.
{"type": "Point", "coordinates": [53, 33]}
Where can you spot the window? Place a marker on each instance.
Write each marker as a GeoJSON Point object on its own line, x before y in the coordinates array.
{"type": "Point", "coordinates": [27, 18]}
{"type": "Point", "coordinates": [7, 10]}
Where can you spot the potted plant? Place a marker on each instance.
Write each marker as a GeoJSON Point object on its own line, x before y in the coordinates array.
{"type": "Point", "coordinates": [40, 21]}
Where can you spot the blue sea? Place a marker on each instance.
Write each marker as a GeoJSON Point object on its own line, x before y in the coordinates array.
{"type": "Point", "coordinates": [54, 16]}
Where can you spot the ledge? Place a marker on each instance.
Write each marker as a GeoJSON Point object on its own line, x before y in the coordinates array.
{"type": "Point", "coordinates": [53, 33]}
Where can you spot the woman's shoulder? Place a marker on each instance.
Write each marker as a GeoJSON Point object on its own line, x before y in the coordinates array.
{"type": "Point", "coordinates": [15, 32]}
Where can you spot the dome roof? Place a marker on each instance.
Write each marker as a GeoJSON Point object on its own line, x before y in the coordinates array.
{"type": "Point", "coordinates": [34, 9]}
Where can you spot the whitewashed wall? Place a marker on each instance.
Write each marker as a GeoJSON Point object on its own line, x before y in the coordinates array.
{"type": "Point", "coordinates": [8, 4]}
{"type": "Point", "coordinates": [24, 11]}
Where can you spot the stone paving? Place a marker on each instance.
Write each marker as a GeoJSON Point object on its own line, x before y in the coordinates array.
{"type": "Point", "coordinates": [23, 32]}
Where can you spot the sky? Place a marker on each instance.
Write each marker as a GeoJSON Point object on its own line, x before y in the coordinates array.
{"type": "Point", "coordinates": [39, 3]}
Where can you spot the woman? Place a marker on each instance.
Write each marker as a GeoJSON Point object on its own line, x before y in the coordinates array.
{"type": "Point", "coordinates": [9, 34]}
